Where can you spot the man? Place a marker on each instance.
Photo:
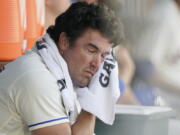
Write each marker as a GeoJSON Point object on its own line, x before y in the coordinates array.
{"type": "Point", "coordinates": [32, 97]}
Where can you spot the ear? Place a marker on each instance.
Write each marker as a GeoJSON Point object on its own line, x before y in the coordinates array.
{"type": "Point", "coordinates": [63, 43]}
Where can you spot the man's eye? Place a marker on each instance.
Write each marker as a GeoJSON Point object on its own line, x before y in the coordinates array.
{"type": "Point", "coordinates": [92, 50]}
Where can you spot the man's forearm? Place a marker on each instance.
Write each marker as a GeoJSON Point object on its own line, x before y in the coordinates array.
{"type": "Point", "coordinates": [84, 124]}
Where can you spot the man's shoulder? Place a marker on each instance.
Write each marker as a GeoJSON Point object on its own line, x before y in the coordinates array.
{"type": "Point", "coordinates": [34, 78]}
{"type": "Point", "coordinates": [33, 72]}
{"type": "Point", "coordinates": [27, 69]}
{"type": "Point", "coordinates": [29, 61]}
{"type": "Point", "coordinates": [24, 64]}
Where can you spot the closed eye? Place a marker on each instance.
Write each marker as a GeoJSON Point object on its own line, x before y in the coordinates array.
{"type": "Point", "coordinates": [92, 48]}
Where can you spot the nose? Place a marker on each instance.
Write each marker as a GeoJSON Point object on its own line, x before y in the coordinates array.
{"type": "Point", "coordinates": [96, 62]}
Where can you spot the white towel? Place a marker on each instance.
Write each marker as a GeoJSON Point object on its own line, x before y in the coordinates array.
{"type": "Point", "coordinates": [100, 97]}
{"type": "Point", "coordinates": [58, 67]}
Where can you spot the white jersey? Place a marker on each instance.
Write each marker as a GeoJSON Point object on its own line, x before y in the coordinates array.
{"type": "Point", "coordinates": [29, 97]}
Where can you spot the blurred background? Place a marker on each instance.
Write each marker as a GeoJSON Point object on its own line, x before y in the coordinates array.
{"type": "Point", "coordinates": [149, 58]}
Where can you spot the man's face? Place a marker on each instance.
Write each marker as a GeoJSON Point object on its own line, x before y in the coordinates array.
{"type": "Point", "coordinates": [86, 55]}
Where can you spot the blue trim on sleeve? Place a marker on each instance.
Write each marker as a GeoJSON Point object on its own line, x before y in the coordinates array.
{"type": "Point", "coordinates": [48, 121]}
{"type": "Point", "coordinates": [122, 86]}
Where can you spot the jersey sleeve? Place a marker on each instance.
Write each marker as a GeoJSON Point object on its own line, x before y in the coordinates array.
{"type": "Point", "coordinates": [38, 100]}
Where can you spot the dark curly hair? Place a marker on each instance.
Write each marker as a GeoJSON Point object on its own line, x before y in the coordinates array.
{"type": "Point", "coordinates": [81, 16]}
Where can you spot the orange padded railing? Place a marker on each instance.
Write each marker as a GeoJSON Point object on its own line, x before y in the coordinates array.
{"type": "Point", "coordinates": [34, 28]}
{"type": "Point", "coordinates": [11, 30]}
